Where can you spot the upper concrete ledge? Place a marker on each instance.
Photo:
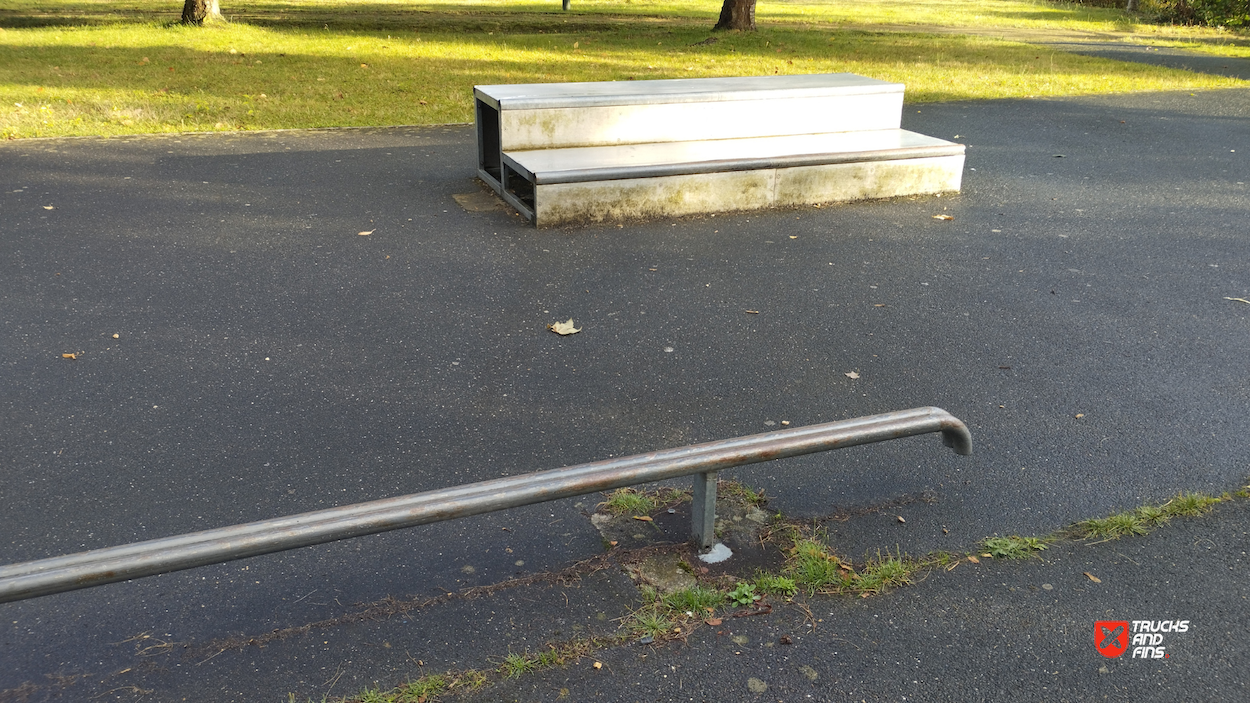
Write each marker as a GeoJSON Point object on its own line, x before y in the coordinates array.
{"type": "Point", "coordinates": [534, 96]}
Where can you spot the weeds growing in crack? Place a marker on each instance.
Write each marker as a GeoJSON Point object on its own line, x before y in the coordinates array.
{"type": "Point", "coordinates": [810, 567]}
{"type": "Point", "coordinates": [649, 621]}
{"type": "Point", "coordinates": [813, 568]}
{"type": "Point", "coordinates": [774, 585]}
{"type": "Point", "coordinates": [1014, 547]}
{"type": "Point", "coordinates": [1143, 520]}
{"type": "Point", "coordinates": [515, 665]}
{"type": "Point", "coordinates": [695, 599]}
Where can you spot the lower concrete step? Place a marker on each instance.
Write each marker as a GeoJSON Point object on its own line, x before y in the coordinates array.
{"type": "Point", "coordinates": [561, 186]}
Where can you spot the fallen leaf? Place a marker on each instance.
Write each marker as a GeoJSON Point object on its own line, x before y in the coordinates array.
{"type": "Point", "coordinates": [851, 374]}
{"type": "Point", "coordinates": [613, 543]}
{"type": "Point", "coordinates": [116, 336]}
{"type": "Point", "coordinates": [1080, 415]}
{"type": "Point", "coordinates": [69, 356]}
{"type": "Point", "coordinates": [1093, 578]}
{"type": "Point", "coordinates": [988, 556]}
{"type": "Point", "coordinates": [643, 518]}
{"type": "Point", "coordinates": [422, 102]}
{"type": "Point", "coordinates": [900, 519]}
{"type": "Point", "coordinates": [564, 328]}
{"type": "Point", "coordinates": [1239, 300]}
{"type": "Point", "coordinates": [785, 639]}
{"type": "Point", "coordinates": [879, 305]}
{"type": "Point", "coordinates": [943, 217]}
{"type": "Point", "coordinates": [48, 207]}
{"type": "Point", "coordinates": [863, 595]}
{"type": "Point", "coordinates": [576, 44]}
{"type": "Point", "coordinates": [366, 234]}
{"type": "Point", "coordinates": [753, 312]}
{"type": "Point", "coordinates": [598, 665]}
{"type": "Point", "coordinates": [973, 559]}
{"type": "Point", "coordinates": [794, 236]}
{"type": "Point", "coordinates": [713, 621]}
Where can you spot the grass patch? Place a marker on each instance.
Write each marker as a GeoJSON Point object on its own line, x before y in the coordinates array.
{"type": "Point", "coordinates": [515, 665]}
{"type": "Point", "coordinates": [649, 621]}
{"type": "Point", "coordinates": [628, 501]}
{"type": "Point", "coordinates": [642, 501]}
{"type": "Point", "coordinates": [423, 690]}
{"type": "Point", "coordinates": [89, 67]}
{"type": "Point", "coordinates": [1143, 520]}
{"type": "Point", "coordinates": [812, 567]}
{"type": "Point", "coordinates": [775, 585]}
{"type": "Point", "coordinates": [740, 491]}
{"type": "Point", "coordinates": [1014, 547]}
{"type": "Point", "coordinates": [697, 599]}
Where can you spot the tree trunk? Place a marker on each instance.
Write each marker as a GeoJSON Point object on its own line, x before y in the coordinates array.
{"type": "Point", "coordinates": [737, 14]}
{"type": "Point", "coordinates": [200, 11]}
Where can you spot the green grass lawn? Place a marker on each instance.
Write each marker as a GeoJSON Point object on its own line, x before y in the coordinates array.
{"type": "Point", "coordinates": [94, 67]}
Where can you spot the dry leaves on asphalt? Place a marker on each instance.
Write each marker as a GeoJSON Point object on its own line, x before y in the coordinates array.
{"type": "Point", "coordinates": [851, 374]}
{"type": "Point", "coordinates": [943, 217]}
{"type": "Point", "coordinates": [643, 518]}
{"type": "Point", "coordinates": [564, 328]}
{"type": "Point", "coordinates": [366, 234]}
{"type": "Point", "coordinates": [1239, 300]}
{"type": "Point", "coordinates": [1092, 577]}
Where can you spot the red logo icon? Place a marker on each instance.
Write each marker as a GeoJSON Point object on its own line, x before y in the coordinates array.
{"type": "Point", "coordinates": [1111, 637]}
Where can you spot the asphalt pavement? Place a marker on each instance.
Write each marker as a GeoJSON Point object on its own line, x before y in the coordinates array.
{"type": "Point", "coordinates": [268, 323]}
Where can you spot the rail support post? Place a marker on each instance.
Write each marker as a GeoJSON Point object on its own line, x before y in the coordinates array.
{"type": "Point", "coordinates": [703, 509]}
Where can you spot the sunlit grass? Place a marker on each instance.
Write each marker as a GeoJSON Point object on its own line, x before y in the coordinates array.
{"type": "Point", "coordinates": [304, 64]}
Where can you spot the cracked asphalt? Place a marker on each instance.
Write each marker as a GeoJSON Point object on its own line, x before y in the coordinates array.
{"type": "Point", "coordinates": [268, 360]}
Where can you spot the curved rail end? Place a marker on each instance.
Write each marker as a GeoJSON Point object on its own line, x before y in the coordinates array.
{"type": "Point", "coordinates": [955, 435]}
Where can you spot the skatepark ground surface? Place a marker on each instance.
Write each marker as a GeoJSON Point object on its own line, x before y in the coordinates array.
{"type": "Point", "coordinates": [243, 350]}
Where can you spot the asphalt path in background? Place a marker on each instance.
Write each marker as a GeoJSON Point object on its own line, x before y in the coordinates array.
{"type": "Point", "coordinates": [269, 360]}
{"type": "Point", "coordinates": [1169, 57]}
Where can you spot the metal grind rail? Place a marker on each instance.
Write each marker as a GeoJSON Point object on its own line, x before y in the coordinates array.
{"type": "Point", "coordinates": [86, 569]}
